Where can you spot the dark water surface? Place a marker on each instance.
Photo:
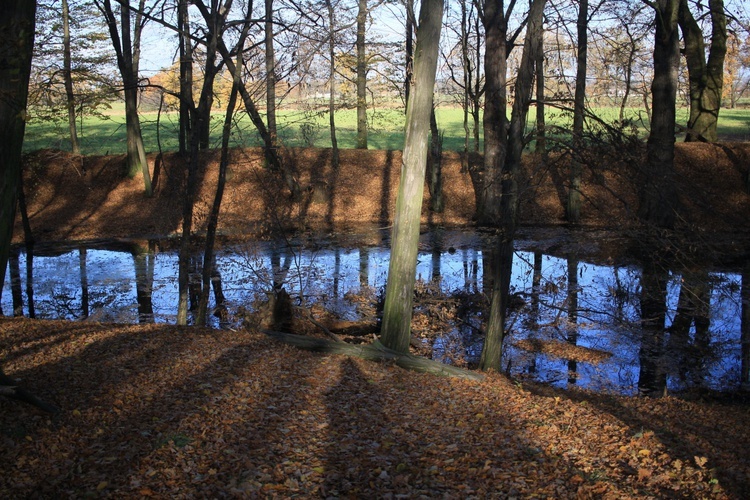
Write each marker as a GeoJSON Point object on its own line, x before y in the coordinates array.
{"type": "Point", "coordinates": [576, 315]}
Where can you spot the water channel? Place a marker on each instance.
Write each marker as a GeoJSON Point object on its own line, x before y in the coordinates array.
{"type": "Point", "coordinates": [575, 318]}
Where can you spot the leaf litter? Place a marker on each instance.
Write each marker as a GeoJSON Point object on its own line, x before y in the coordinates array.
{"type": "Point", "coordinates": [159, 411]}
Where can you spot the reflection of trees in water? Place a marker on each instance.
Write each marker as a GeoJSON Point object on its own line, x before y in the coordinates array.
{"type": "Point", "coordinates": [143, 262]}
{"type": "Point", "coordinates": [572, 325]}
{"type": "Point", "coordinates": [668, 333]}
{"type": "Point", "coordinates": [745, 328]}
{"type": "Point", "coordinates": [652, 376]}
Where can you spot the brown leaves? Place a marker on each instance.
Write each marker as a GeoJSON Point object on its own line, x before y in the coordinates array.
{"type": "Point", "coordinates": [158, 411]}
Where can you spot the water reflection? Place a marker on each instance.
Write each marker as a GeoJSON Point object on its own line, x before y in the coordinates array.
{"type": "Point", "coordinates": [591, 317]}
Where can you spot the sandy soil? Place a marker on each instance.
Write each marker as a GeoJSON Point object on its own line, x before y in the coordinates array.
{"type": "Point", "coordinates": [74, 198]}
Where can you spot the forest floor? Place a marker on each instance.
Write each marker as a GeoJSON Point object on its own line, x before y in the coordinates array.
{"type": "Point", "coordinates": [168, 412]}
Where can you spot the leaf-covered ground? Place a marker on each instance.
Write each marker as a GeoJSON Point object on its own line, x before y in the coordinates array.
{"type": "Point", "coordinates": [163, 412]}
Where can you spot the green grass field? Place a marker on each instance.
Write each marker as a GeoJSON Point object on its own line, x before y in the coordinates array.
{"type": "Point", "coordinates": [107, 135]}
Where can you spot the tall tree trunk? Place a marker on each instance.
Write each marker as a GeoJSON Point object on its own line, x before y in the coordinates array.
{"type": "Point", "coordinates": [466, 82]}
{"type": "Point", "coordinates": [574, 191]}
{"type": "Point", "coordinates": [332, 85]}
{"type": "Point", "coordinates": [213, 219]}
{"type": "Point", "coordinates": [214, 20]}
{"type": "Point", "coordinates": [659, 195]}
{"type": "Point", "coordinates": [495, 117]}
{"type": "Point", "coordinates": [17, 19]}
{"type": "Point", "coordinates": [541, 126]}
{"type": "Point", "coordinates": [396, 330]}
{"type": "Point", "coordinates": [272, 155]}
{"type": "Point", "coordinates": [503, 253]}
{"type": "Point", "coordinates": [435, 166]}
{"type": "Point", "coordinates": [270, 72]}
{"type": "Point", "coordinates": [362, 13]}
{"type": "Point", "coordinates": [410, 23]}
{"type": "Point", "coordinates": [127, 51]}
{"type": "Point", "coordinates": [706, 77]}
{"type": "Point", "coordinates": [186, 74]}
{"type": "Point", "coordinates": [68, 80]}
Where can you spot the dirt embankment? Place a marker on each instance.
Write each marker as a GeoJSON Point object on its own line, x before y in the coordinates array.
{"type": "Point", "coordinates": [73, 198]}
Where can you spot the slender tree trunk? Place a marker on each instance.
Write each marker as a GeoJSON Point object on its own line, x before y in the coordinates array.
{"type": "Point", "coordinates": [186, 74]}
{"type": "Point", "coordinates": [272, 155]}
{"type": "Point", "coordinates": [574, 192]}
{"type": "Point", "coordinates": [706, 77]}
{"type": "Point", "coordinates": [410, 23]}
{"type": "Point", "coordinates": [332, 85]}
{"type": "Point", "coordinates": [541, 126]}
{"type": "Point", "coordinates": [495, 117]}
{"type": "Point", "coordinates": [396, 330]}
{"type": "Point", "coordinates": [128, 52]}
{"type": "Point", "coordinates": [270, 72]}
{"type": "Point", "coordinates": [435, 167]}
{"type": "Point", "coordinates": [68, 79]}
{"type": "Point", "coordinates": [490, 358]}
{"type": "Point", "coordinates": [466, 81]}
{"type": "Point", "coordinates": [17, 19]}
{"type": "Point", "coordinates": [213, 219]}
{"type": "Point", "coordinates": [659, 195]}
{"type": "Point", "coordinates": [361, 76]}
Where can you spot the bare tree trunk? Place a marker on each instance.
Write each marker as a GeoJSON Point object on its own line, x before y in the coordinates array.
{"type": "Point", "coordinates": [213, 219]}
{"type": "Point", "coordinates": [17, 19]}
{"type": "Point", "coordinates": [495, 117]}
{"type": "Point", "coordinates": [361, 75]}
{"type": "Point", "coordinates": [68, 80]}
{"type": "Point", "coordinates": [706, 77]}
{"type": "Point", "coordinates": [270, 72]}
{"type": "Point", "coordinates": [332, 85]}
{"type": "Point", "coordinates": [410, 23]}
{"type": "Point", "coordinates": [659, 195]}
{"type": "Point", "coordinates": [272, 155]}
{"type": "Point", "coordinates": [503, 253]}
{"type": "Point", "coordinates": [541, 134]}
{"type": "Point", "coordinates": [186, 74]}
{"type": "Point", "coordinates": [574, 191]}
{"type": "Point", "coordinates": [127, 50]}
{"type": "Point", "coordinates": [435, 166]}
{"type": "Point", "coordinates": [466, 81]}
{"type": "Point", "coordinates": [396, 330]}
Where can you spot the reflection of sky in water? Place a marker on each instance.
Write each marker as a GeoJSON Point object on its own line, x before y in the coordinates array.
{"type": "Point", "coordinates": [608, 300]}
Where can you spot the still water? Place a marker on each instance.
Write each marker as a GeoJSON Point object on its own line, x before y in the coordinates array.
{"type": "Point", "coordinates": [576, 308]}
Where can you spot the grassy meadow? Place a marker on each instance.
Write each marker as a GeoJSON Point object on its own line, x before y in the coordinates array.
{"type": "Point", "coordinates": [106, 135]}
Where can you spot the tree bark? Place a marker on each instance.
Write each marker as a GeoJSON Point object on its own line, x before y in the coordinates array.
{"type": "Point", "coordinates": [186, 74]}
{"type": "Point", "coordinates": [502, 260]}
{"type": "Point", "coordinates": [435, 166]}
{"type": "Point", "coordinates": [68, 81]}
{"type": "Point", "coordinates": [374, 352]}
{"type": "Point", "coordinates": [706, 77]}
{"type": "Point", "coordinates": [127, 52]}
{"type": "Point", "coordinates": [270, 72]}
{"type": "Point", "coordinates": [659, 195]}
{"type": "Point", "coordinates": [396, 331]}
{"type": "Point", "coordinates": [362, 14]}
{"type": "Point", "coordinates": [495, 118]}
{"type": "Point", "coordinates": [574, 191]}
{"type": "Point", "coordinates": [17, 18]}
{"type": "Point", "coordinates": [213, 219]}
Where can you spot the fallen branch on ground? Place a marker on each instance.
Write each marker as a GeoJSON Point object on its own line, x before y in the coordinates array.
{"type": "Point", "coordinates": [374, 352]}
